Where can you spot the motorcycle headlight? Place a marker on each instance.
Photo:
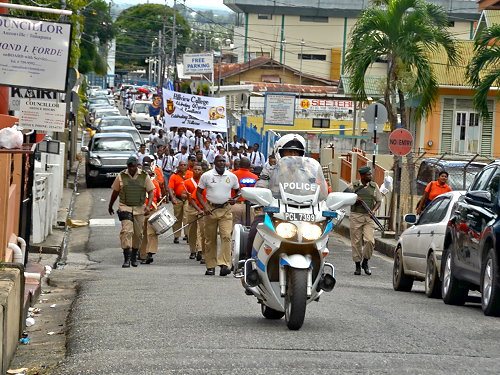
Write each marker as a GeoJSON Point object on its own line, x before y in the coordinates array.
{"type": "Point", "coordinates": [286, 230]}
{"type": "Point", "coordinates": [310, 232]}
{"type": "Point", "coordinates": [95, 162]}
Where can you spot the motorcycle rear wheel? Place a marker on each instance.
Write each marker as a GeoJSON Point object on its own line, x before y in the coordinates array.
{"type": "Point", "coordinates": [296, 298]}
{"type": "Point", "coordinates": [270, 313]}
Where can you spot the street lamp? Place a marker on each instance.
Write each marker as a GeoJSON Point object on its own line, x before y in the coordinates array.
{"type": "Point", "coordinates": [210, 41]}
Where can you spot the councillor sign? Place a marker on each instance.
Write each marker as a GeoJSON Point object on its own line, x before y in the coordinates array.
{"type": "Point", "coordinates": [194, 111]}
{"type": "Point", "coordinates": [43, 115]}
{"type": "Point", "coordinates": [34, 53]}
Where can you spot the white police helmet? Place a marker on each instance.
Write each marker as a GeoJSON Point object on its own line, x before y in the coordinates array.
{"type": "Point", "coordinates": [293, 142]}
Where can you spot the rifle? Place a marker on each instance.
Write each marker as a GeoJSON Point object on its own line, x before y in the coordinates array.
{"type": "Point", "coordinates": [369, 212]}
{"type": "Point", "coordinates": [372, 216]}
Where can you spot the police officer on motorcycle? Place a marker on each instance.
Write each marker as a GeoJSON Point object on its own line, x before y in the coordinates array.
{"type": "Point", "coordinates": [288, 145]}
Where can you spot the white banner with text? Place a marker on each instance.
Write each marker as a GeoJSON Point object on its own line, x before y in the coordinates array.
{"type": "Point", "coordinates": [194, 111]}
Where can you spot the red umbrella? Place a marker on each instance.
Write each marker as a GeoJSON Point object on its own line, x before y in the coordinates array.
{"type": "Point", "coordinates": [145, 91]}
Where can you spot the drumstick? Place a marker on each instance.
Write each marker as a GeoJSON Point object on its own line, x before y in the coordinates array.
{"type": "Point", "coordinates": [191, 222]}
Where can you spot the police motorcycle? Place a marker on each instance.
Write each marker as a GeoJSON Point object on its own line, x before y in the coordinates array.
{"type": "Point", "coordinates": [287, 268]}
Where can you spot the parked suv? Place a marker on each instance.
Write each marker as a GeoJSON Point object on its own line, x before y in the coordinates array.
{"type": "Point", "coordinates": [461, 173]}
{"type": "Point", "coordinates": [106, 156]}
{"type": "Point", "coordinates": [471, 259]}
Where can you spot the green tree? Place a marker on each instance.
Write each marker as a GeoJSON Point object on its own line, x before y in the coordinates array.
{"type": "Point", "coordinates": [483, 71]}
{"type": "Point", "coordinates": [138, 28]}
{"type": "Point", "coordinates": [98, 30]}
{"type": "Point", "coordinates": [404, 33]}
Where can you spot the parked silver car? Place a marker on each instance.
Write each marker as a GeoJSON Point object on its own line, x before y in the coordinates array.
{"type": "Point", "coordinates": [420, 247]}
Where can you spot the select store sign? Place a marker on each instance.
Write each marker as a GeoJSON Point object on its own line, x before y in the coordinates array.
{"type": "Point", "coordinates": [34, 53]}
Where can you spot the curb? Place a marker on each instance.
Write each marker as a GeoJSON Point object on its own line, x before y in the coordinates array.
{"type": "Point", "coordinates": [381, 245]}
{"type": "Point", "coordinates": [63, 253]}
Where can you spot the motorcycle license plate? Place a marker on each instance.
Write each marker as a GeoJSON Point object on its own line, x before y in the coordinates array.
{"type": "Point", "coordinates": [298, 216]}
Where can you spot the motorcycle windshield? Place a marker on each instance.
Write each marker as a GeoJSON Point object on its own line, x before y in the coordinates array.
{"type": "Point", "coordinates": [299, 180]}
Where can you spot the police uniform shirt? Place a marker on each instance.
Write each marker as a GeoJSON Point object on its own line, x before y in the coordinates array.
{"type": "Point", "coordinates": [118, 185]}
{"type": "Point", "coordinates": [218, 187]}
{"type": "Point", "coordinates": [360, 189]}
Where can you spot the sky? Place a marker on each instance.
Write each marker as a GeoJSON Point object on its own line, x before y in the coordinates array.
{"type": "Point", "coordinates": [205, 4]}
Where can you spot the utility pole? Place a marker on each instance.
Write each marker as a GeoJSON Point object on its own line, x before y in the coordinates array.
{"type": "Point", "coordinates": [174, 44]}
{"type": "Point", "coordinates": [160, 59]}
{"type": "Point", "coordinates": [302, 42]}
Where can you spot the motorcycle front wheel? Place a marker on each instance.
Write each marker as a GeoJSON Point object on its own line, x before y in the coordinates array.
{"type": "Point", "coordinates": [296, 298]}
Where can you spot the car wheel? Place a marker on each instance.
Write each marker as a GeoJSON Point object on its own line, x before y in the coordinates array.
{"type": "Point", "coordinates": [400, 281]}
{"type": "Point", "coordinates": [453, 293]}
{"type": "Point", "coordinates": [490, 296]}
{"type": "Point", "coordinates": [432, 282]}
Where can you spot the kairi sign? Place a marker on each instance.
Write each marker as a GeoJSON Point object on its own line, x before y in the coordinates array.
{"type": "Point", "coordinates": [34, 53]}
{"type": "Point", "coordinates": [193, 111]}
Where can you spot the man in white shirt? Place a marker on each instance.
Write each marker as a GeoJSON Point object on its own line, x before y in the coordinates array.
{"type": "Point", "coordinates": [166, 164]}
{"type": "Point", "coordinates": [161, 139]}
{"type": "Point", "coordinates": [257, 159]}
{"type": "Point", "coordinates": [142, 153]}
{"type": "Point", "coordinates": [235, 144]}
{"type": "Point", "coordinates": [181, 156]}
{"type": "Point", "coordinates": [179, 141]}
{"type": "Point", "coordinates": [219, 184]}
{"type": "Point", "coordinates": [197, 140]}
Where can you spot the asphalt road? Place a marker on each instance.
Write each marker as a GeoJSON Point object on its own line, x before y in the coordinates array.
{"type": "Point", "coordinates": [169, 318]}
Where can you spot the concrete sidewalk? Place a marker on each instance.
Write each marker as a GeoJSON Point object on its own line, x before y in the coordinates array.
{"type": "Point", "coordinates": [385, 246]}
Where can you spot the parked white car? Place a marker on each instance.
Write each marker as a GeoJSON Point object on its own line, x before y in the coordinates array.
{"type": "Point", "coordinates": [420, 247]}
{"type": "Point", "coordinates": [140, 114]}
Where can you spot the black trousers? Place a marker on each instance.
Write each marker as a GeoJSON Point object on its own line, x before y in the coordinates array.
{"type": "Point", "coordinates": [252, 233]}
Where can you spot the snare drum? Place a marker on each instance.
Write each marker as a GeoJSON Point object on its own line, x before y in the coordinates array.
{"type": "Point", "coordinates": [162, 220]}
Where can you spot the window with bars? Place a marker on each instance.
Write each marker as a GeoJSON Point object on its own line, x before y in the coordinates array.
{"type": "Point", "coordinates": [321, 123]}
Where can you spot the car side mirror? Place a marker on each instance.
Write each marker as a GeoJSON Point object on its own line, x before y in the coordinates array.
{"type": "Point", "coordinates": [336, 201]}
{"type": "Point", "coordinates": [410, 219]}
{"type": "Point", "coordinates": [479, 196]}
{"type": "Point", "coordinates": [261, 196]}
{"type": "Point", "coordinates": [85, 149]}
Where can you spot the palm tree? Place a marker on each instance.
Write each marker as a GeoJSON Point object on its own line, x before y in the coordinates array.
{"type": "Point", "coordinates": [483, 71]}
{"type": "Point", "coordinates": [405, 33]}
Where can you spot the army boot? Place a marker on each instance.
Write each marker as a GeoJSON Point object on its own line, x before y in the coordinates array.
{"type": "Point", "coordinates": [358, 269]}
{"type": "Point", "coordinates": [126, 257]}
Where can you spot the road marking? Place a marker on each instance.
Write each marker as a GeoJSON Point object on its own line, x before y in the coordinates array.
{"type": "Point", "coordinates": [102, 222]}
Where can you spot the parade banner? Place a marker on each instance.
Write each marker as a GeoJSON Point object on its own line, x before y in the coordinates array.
{"type": "Point", "coordinates": [34, 53]}
{"type": "Point", "coordinates": [193, 111]}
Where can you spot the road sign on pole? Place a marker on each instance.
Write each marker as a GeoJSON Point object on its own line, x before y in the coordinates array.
{"type": "Point", "coordinates": [375, 115]}
{"type": "Point", "coordinates": [400, 142]}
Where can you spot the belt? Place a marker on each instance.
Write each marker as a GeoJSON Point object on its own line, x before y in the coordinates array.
{"type": "Point", "coordinates": [217, 205]}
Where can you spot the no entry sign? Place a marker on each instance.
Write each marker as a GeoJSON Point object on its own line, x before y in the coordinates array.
{"type": "Point", "coordinates": [401, 142]}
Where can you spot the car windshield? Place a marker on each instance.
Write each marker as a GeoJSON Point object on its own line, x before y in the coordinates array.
{"type": "Point", "coordinates": [99, 101]}
{"type": "Point", "coordinates": [105, 113]}
{"type": "Point", "coordinates": [116, 122]}
{"type": "Point", "coordinates": [113, 144]}
{"type": "Point", "coordinates": [141, 108]}
{"type": "Point", "coordinates": [298, 180]}
{"type": "Point", "coordinates": [132, 132]}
